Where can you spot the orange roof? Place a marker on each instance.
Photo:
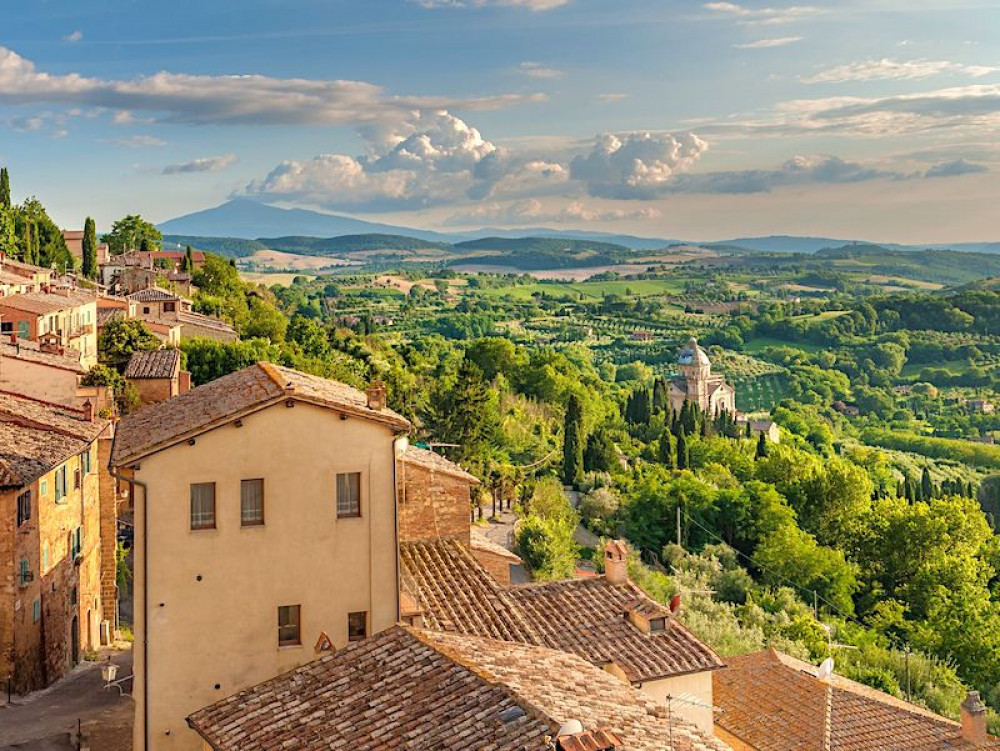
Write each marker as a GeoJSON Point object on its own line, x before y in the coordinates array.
{"type": "Point", "coordinates": [773, 702]}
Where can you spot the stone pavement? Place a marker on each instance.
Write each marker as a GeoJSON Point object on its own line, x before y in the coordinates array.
{"type": "Point", "coordinates": [48, 720]}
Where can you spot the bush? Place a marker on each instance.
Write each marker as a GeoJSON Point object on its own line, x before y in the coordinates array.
{"type": "Point", "coordinates": [547, 546]}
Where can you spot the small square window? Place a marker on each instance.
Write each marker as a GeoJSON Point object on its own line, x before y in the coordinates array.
{"type": "Point", "coordinates": [289, 626]}
{"type": "Point", "coordinates": [203, 505]}
{"type": "Point", "coordinates": [251, 503]}
{"type": "Point", "coordinates": [357, 626]}
{"type": "Point", "coordinates": [348, 495]}
{"type": "Point", "coordinates": [44, 488]}
{"type": "Point", "coordinates": [658, 624]}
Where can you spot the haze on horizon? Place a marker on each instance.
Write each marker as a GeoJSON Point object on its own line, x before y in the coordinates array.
{"type": "Point", "coordinates": [872, 119]}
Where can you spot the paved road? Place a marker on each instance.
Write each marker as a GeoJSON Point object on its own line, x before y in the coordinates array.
{"type": "Point", "coordinates": [52, 714]}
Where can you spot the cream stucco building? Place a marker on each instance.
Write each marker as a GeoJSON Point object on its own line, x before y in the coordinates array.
{"type": "Point", "coordinates": [265, 535]}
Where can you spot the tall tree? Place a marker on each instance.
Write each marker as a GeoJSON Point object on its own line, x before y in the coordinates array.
{"type": "Point", "coordinates": [89, 249]}
{"type": "Point", "coordinates": [188, 265]}
{"type": "Point", "coordinates": [661, 400]}
{"type": "Point", "coordinates": [683, 454]}
{"type": "Point", "coordinates": [667, 453]}
{"type": "Point", "coordinates": [926, 485]}
{"type": "Point", "coordinates": [466, 413]}
{"type": "Point", "coordinates": [4, 189]}
{"type": "Point", "coordinates": [573, 442]}
{"type": "Point", "coordinates": [132, 233]}
{"type": "Point", "coordinates": [762, 447]}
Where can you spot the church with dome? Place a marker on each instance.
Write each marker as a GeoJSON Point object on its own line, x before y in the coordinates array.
{"type": "Point", "coordinates": [697, 385]}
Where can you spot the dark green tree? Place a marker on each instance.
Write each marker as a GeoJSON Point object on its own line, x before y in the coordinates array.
{"type": "Point", "coordinates": [89, 269]}
{"type": "Point", "coordinates": [120, 338]}
{"type": "Point", "coordinates": [4, 188]}
{"type": "Point", "coordinates": [573, 442]}
{"type": "Point", "coordinates": [600, 454]}
{"type": "Point", "coordinates": [466, 413]}
{"type": "Point", "coordinates": [667, 453]}
{"type": "Point", "coordinates": [188, 264]}
{"type": "Point", "coordinates": [132, 233]}
{"type": "Point", "coordinates": [661, 402]}
{"type": "Point", "coordinates": [762, 447]}
{"type": "Point", "coordinates": [926, 485]}
{"type": "Point", "coordinates": [683, 454]}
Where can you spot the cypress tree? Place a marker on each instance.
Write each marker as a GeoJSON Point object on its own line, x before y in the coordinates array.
{"type": "Point", "coordinates": [4, 189]}
{"type": "Point", "coordinates": [926, 485]}
{"type": "Point", "coordinates": [573, 442]}
{"type": "Point", "coordinates": [683, 455]}
{"type": "Point", "coordinates": [188, 265]}
{"type": "Point", "coordinates": [667, 452]}
{"type": "Point", "coordinates": [89, 249]}
{"type": "Point", "coordinates": [660, 400]}
{"type": "Point", "coordinates": [749, 430]}
{"type": "Point", "coordinates": [762, 447]}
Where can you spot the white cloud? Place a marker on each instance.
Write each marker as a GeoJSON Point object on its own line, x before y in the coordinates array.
{"type": "Point", "coordinates": [533, 5]}
{"type": "Point", "coordinates": [533, 69]}
{"type": "Point", "coordinates": [204, 164]}
{"type": "Point", "coordinates": [612, 97]}
{"type": "Point", "coordinates": [635, 165]}
{"type": "Point", "coordinates": [140, 142]}
{"type": "Point", "coordinates": [886, 69]}
{"type": "Point", "coordinates": [762, 44]}
{"type": "Point", "coordinates": [236, 99]}
{"type": "Point", "coordinates": [762, 16]}
{"type": "Point", "coordinates": [74, 36]}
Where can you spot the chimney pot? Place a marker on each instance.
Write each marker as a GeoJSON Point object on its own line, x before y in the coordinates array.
{"type": "Point", "coordinates": [376, 395]}
{"type": "Point", "coordinates": [616, 562]}
{"type": "Point", "coordinates": [974, 719]}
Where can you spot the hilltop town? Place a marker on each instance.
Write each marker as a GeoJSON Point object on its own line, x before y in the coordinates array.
{"type": "Point", "coordinates": [424, 508]}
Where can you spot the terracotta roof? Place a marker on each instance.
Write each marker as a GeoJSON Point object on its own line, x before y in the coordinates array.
{"type": "Point", "coordinates": [436, 463]}
{"type": "Point", "coordinates": [775, 703]}
{"type": "Point", "coordinates": [36, 436]}
{"type": "Point", "coordinates": [43, 303]}
{"type": "Point", "coordinates": [413, 689]}
{"type": "Point", "coordinates": [601, 739]}
{"type": "Point", "coordinates": [153, 294]}
{"type": "Point", "coordinates": [161, 425]}
{"type": "Point", "coordinates": [156, 363]}
{"type": "Point", "coordinates": [479, 541]}
{"type": "Point", "coordinates": [457, 594]}
{"type": "Point", "coordinates": [29, 351]}
{"type": "Point", "coordinates": [104, 315]}
{"type": "Point", "coordinates": [587, 617]}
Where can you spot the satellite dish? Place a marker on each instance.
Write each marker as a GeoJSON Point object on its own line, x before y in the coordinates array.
{"type": "Point", "coordinates": [825, 669]}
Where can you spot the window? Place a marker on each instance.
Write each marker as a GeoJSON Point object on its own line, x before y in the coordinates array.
{"type": "Point", "coordinates": [203, 505]}
{"type": "Point", "coordinates": [289, 625]}
{"type": "Point", "coordinates": [658, 624]}
{"type": "Point", "coordinates": [60, 483]}
{"type": "Point", "coordinates": [251, 503]}
{"type": "Point", "coordinates": [23, 331]}
{"type": "Point", "coordinates": [6, 328]}
{"type": "Point", "coordinates": [36, 610]}
{"type": "Point", "coordinates": [85, 459]}
{"type": "Point", "coordinates": [44, 488]}
{"type": "Point", "coordinates": [357, 626]}
{"type": "Point", "coordinates": [75, 542]}
{"type": "Point", "coordinates": [77, 477]}
{"type": "Point", "coordinates": [25, 573]}
{"type": "Point", "coordinates": [348, 495]}
{"type": "Point", "coordinates": [145, 310]}
{"type": "Point", "coordinates": [23, 507]}
{"type": "Point", "coordinates": [169, 307]}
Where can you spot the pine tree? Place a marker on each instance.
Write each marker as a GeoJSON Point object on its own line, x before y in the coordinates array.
{"type": "Point", "coordinates": [4, 189]}
{"type": "Point", "coordinates": [573, 442]}
{"type": "Point", "coordinates": [683, 455]}
{"type": "Point", "coordinates": [661, 401]}
{"type": "Point", "coordinates": [762, 447]}
{"type": "Point", "coordinates": [89, 249]}
{"type": "Point", "coordinates": [667, 451]}
{"type": "Point", "coordinates": [188, 265]}
{"type": "Point", "coordinates": [926, 485]}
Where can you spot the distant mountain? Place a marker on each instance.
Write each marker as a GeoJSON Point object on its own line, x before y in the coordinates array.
{"type": "Point", "coordinates": [794, 244]}
{"type": "Point", "coordinates": [349, 244]}
{"type": "Point", "coordinates": [249, 220]}
{"type": "Point", "coordinates": [629, 241]}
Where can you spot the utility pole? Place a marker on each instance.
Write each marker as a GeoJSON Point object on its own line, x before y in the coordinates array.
{"type": "Point", "coordinates": [679, 526]}
{"type": "Point", "coordinates": [815, 605]}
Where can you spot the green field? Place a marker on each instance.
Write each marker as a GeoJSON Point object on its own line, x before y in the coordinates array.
{"type": "Point", "coordinates": [763, 393]}
{"type": "Point", "coordinates": [591, 290]}
{"type": "Point", "coordinates": [759, 344]}
{"type": "Point", "coordinates": [826, 315]}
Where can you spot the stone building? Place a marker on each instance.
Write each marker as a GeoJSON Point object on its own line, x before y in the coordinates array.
{"type": "Point", "coordinates": [39, 370]}
{"type": "Point", "coordinates": [157, 375]}
{"type": "Point", "coordinates": [51, 563]}
{"type": "Point", "coordinates": [62, 317]}
{"type": "Point", "coordinates": [697, 384]}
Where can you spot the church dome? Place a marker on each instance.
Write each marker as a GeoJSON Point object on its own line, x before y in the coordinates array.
{"type": "Point", "coordinates": [692, 354]}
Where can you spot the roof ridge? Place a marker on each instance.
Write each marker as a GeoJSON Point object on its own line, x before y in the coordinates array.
{"type": "Point", "coordinates": [272, 372]}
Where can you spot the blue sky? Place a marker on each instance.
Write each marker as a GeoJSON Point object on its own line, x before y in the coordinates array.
{"type": "Point", "coordinates": [696, 120]}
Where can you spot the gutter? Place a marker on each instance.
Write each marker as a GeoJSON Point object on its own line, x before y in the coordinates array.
{"type": "Point", "coordinates": [132, 483]}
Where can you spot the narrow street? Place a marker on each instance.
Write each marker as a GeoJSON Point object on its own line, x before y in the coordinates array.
{"type": "Point", "coordinates": [48, 720]}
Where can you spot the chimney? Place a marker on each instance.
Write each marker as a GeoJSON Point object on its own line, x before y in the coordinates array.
{"type": "Point", "coordinates": [13, 337]}
{"type": "Point", "coordinates": [974, 720]}
{"type": "Point", "coordinates": [88, 411]}
{"type": "Point", "coordinates": [376, 396]}
{"type": "Point", "coordinates": [616, 562]}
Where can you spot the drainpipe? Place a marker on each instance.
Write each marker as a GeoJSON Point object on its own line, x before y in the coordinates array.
{"type": "Point", "coordinates": [132, 483]}
{"type": "Point", "coordinates": [399, 446]}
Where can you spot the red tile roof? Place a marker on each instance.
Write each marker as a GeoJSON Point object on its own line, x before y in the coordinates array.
{"type": "Point", "coordinates": [232, 396]}
{"type": "Point", "coordinates": [773, 702]}
{"type": "Point", "coordinates": [155, 364]}
{"type": "Point", "coordinates": [418, 690]}
{"type": "Point", "coordinates": [436, 463]}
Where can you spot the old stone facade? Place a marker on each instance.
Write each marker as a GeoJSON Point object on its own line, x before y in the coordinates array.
{"type": "Point", "coordinates": [434, 498]}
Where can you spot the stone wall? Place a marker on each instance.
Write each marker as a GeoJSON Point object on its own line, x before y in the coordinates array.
{"type": "Point", "coordinates": [109, 533]}
{"type": "Point", "coordinates": [432, 505]}
{"type": "Point", "coordinates": [497, 566]}
{"type": "Point", "coordinates": [155, 390]}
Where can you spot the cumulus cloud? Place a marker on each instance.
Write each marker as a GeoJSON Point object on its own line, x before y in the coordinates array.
{"type": "Point", "coordinates": [533, 69]}
{"type": "Point", "coordinates": [635, 165]}
{"type": "Point", "coordinates": [763, 44]}
{"type": "Point", "coordinates": [204, 164]}
{"type": "Point", "coordinates": [74, 36]}
{"type": "Point", "coordinates": [533, 5]}
{"type": "Point", "coordinates": [955, 168]}
{"type": "Point", "coordinates": [886, 69]}
{"type": "Point", "coordinates": [762, 16]}
{"type": "Point", "coordinates": [236, 99]}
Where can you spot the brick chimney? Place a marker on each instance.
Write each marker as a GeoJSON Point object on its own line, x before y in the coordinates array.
{"type": "Point", "coordinates": [376, 394]}
{"type": "Point", "coordinates": [616, 562]}
{"type": "Point", "coordinates": [974, 720]}
{"type": "Point", "coordinates": [88, 411]}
